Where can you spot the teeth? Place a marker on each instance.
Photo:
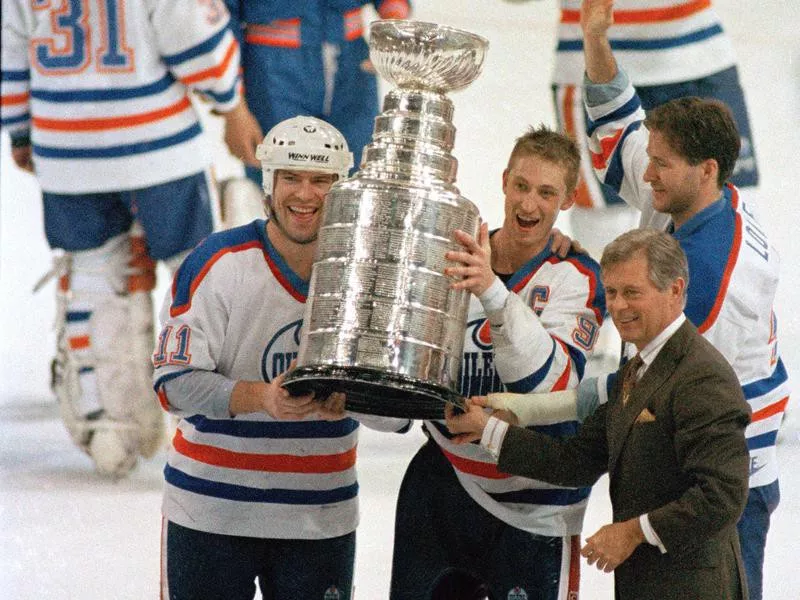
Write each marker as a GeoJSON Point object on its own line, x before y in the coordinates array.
{"type": "Point", "coordinates": [301, 210]}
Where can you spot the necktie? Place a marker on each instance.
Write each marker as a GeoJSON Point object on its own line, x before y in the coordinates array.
{"type": "Point", "coordinates": [629, 378]}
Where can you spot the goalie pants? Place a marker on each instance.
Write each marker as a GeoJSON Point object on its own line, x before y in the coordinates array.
{"type": "Point", "coordinates": [441, 530]}
{"type": "Point", "coordinates": [175, 216]}
{"type": "Point", "coordinates": [212, 566]}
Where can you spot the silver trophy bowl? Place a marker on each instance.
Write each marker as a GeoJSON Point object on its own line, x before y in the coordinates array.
{"type": "Point", "coordinates": [414, 54]}
{"type": "Point", "coordinates": [382, 323]}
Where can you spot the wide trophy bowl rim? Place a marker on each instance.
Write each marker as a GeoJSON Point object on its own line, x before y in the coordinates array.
{"type": "Point", "coordinates": [410, 53]}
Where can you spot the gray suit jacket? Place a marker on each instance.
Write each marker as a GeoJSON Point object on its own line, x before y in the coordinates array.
{"type": "Point", "coordinates": [675, 451]}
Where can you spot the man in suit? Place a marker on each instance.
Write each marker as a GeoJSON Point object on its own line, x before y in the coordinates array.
{"type": "Point", "coordinates": [671, 438]}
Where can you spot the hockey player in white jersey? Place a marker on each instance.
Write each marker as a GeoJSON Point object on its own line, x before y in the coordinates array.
{"type": "Point", "coordinates": [533, 322]}
{"type": "Point", "coordinates": [259, 485]}
{"type": "Point", "coordinates": [670, 49]}
{"type": "Point", "coordinates": [674, 166]}
{"type": "Point", "coordinates": [95, 97]}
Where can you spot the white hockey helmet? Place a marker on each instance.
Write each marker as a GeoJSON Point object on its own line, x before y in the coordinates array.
{"type": "Point", "coordinates": [303, 144]}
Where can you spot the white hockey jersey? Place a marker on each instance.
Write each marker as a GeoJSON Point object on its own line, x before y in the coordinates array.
{"type": "Point", "coordinates": [733, 273]}
{"type": "Point", "coordinates": [656, 41]}
{"type": "Point", "coordinates": [103, 87]}
{"type": "Point", "coordinates": [550, 325]}
{"type": "Point", "coordinates": [248, 475]}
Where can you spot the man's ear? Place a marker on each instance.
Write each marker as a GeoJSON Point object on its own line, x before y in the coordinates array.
{"type": "Point", "coordinates": [505, 179]}
{"type": "Point", "coordinates": [569, 200]}
{"type": "Point", "coordinates": [710, 169]}
{"type": "Point", "coordinates": [678, 287]}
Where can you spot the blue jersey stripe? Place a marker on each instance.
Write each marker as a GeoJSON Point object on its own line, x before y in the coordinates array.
{"type": "Point", "coordinates": [14, 120]}
{"type": "Point", "coordinates": [615, 172]}
{"type": "Point", "coordinates": [242, 493]}
{"type": "Point", "coordinates": [195, 51]}
{"type": "Point", "coordinates": [560, 497]}
{"type": "Point", "coordinates": [765, 440]}
{"type": "Point", "coordinates": [76, 316]}
{"type": "Point", "coordinates": [627, 109]}
{"type": "Point", "coordinates": [221, 97]}
{"type": "Point", "coordinates": [15, 75]}
{"type": "Point", "coordinates": [103, 94]}
{"type": "Point", "coordinates": [121, 150]}
{"type": "Point", "coordinates": [527, 384]}
{"type": "Point", "coordinates": [275, 429]}
{"type": "Point", "coordinates": [648, 45]}
{"type": "Point", "coordinates": [764, 386]}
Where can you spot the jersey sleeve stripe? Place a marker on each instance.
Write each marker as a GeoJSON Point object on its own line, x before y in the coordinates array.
{"type": "Point", "coordinates": [215, 71]}
{"type": "Point", "coordinates": [646, 15]}
{"type": "Point", "coordinates": [274, 463]}
{"type": "Point", "coordinates": [242, 493]}
{"type": "Point", "coordinates": [198, 50]}
{"type": "Point", "coordinates": [527, 384]}
{"type": "Point", "coordinates": [563, 381]}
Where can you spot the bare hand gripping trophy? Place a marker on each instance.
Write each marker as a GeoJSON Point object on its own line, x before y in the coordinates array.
{"type": "Point", "coordinates": [381, 322]}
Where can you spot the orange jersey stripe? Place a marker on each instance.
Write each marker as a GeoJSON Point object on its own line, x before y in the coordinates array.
{"type": "Point", "coordinates": [264, 40]}
{"type": "Point", "coordinates": [771, 410]}
{"type": "Point", "coordinates": [474, 467]}
{"type": "Point", "coordinates": [607, 146]}
{"type": "Point", "coordinates": [726, 276]}
{"type": "Point", "coordinates": [276, 463]}
{"type": "Point", "coordinates": [14, 99]}
{"type": "Point", "coordinates": [213, 71]}
{"type": "Point", "coordinates": [646, 15]}
{"type": "Point", "coordinates": [112, 122]}
{"type": "Point", "coordinates": [79, 342]}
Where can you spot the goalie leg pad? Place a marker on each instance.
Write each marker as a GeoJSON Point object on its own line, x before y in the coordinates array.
{"type": "Point", "coordinates": [103, 361]}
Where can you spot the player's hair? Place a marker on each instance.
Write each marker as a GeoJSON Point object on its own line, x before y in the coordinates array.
{"type": "Point", "coordinates": [666, 260]}
{"type": "Point", "coordinates": [552, 146]}
{"type": "Point", "coordinates": [699, 129]}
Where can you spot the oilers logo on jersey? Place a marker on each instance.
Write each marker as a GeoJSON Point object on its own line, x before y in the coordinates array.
{"type": "Point", "coordinates": [280, 351]}
{"type": "Point", "coordinates": [478, 375]}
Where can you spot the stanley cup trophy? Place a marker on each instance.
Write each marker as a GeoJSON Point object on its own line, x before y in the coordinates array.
{"type": "Point", "coordinates": [381, 322]}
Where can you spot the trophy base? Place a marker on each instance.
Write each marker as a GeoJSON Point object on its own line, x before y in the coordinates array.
{"type": "Point", "coordinates": [373, 392]}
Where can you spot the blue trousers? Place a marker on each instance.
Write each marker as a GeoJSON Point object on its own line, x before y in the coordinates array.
{"type": "Point", "coordinates": [209, 566]}
{"type": "Point", "coordinates": [753, 527]}
{"type": "Point", "coordinates": [443, 538]}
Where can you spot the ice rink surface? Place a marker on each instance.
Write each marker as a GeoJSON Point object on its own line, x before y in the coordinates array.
{"type": "Point", "coordinates": [66, 533]}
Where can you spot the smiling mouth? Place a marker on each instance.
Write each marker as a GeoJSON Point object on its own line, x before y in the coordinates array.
{"type": "Point", "coordinates": [526, 223]}
{"type": "Point", "coordinates": [302, 211]}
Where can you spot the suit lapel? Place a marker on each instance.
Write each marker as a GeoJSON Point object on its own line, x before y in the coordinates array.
{"type": "Point", "coordinates": [656, 375]}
